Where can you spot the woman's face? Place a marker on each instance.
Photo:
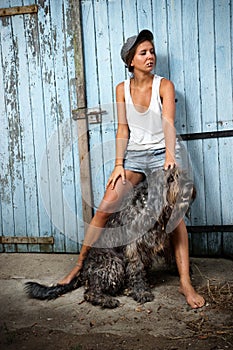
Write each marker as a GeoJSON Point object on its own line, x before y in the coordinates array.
{"type": "Point", "coordinates": [144, 58]}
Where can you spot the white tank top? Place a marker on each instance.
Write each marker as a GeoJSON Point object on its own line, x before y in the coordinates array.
{"type": "Point", "coordinates": [146, 130]}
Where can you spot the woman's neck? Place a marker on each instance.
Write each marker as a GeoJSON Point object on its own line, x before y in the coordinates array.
{"type": "Point", "coordinates": [141, 79]}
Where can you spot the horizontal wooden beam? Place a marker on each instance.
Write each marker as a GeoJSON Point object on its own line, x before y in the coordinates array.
{"type": "Point", "coordinates": [210, 228]}
{"type": "Point", "coordinates": [18, 10]}
{"type": "Point", "coordinates": [26, 240]}
{"type": "Point", "coordinates": [206, 135]}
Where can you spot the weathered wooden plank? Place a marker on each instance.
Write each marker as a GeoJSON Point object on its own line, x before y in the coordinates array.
{"type": "Point", "coordinates": [7, 210]}
{"type": "Point", "coordinates": [107, 142]}
{"type": "Point", "coordinates": [38, 124]}
{"type": "Point", "coordinates": [130, 25]}
{"type": "Point", "coordinates": [208, 116]}
{"type": "Point", "coordinates": [15, 162]}
{"type": "Point", "coordinates": [178, 65]}
{"type": "Point", "coordinates": [92, 93]}
{"type": "Point", "coordinates": [63, 114]}
{"type": "Point", "coordinates": [72, 186]}
{"type": "Point", "coordinates": [191, 98]}
{"type": "Point", "coordinates": [26, 240]}
{"type": "Point", "coordinates": [89, 52]}
{"type": "Point", "coordinates": [115, 43]}
{"type": "Point", "coordinates": [18, 10]}
{"type": "Point", "coordinates": [117, 74]}
{"type": "Point", "coordinates": [104, 84]}
{"type": "Point", "coordinates": [198, 207]}
{"type": "Point", "coordinates": [41, 71]}
{"type": "Point", "coordinates": [144, 14]}
{"type": "Point", "coordinates": [175, 45]}
{"type": "Point", "coordinates": [97, 169]}
{"type": "Point", "coordinates": [223, 52]}
{"type": "Point", "coordinates": [191, 67]}
{"type": "Point", "coordinates": [81, 127]}
{"type": "Point", "coordinates": [207, 65]}
{"type": "Point", "coordinates": [227, 238]}
{"type": "Point", "coordinates": [28, 174]}
{"type": "Point", "coordinates": [198, 216]}
{"type": "Point", "coordinates": [7, 215]}
{"type": "Point", "coordinates": [160, 31]}
{"type": "Point", "coordinates": [212, 193]}
{"type": "Point", "coordinates": [50, 164]}
{"type": "Point", "coordinates": [226, 175]}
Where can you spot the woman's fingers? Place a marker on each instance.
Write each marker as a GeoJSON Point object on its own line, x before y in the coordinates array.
{"type": "Point", "coordinates": [169, 165]}
{"type": "Point", "coordinates": [114, 177]}
{"type": "Point", "coordinates": [109, 181]}
{"type": "Point", "coordinates": [123, 177]}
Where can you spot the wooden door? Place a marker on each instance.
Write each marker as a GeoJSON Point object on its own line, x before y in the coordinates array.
{"type": "Point", "coordinates": [41, 201]}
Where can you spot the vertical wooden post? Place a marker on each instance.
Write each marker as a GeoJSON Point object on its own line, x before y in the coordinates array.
{"type": "Point", "coordinates": [80, 115]}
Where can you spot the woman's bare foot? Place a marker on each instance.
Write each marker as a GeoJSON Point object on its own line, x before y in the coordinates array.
{"type": "Point", "coordinates": [193, 299]}
{"type": "Point", "coordinates": [73, 273]}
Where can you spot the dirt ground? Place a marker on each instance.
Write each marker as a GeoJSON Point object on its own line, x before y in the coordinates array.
{"type": "Point", "coordinates": [69, 323]}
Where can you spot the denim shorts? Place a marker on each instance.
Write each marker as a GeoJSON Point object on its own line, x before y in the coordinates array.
{"type": "Point", "coordinates": [147, 161]}
{"type": "Point", "coordinates": [144, 161]}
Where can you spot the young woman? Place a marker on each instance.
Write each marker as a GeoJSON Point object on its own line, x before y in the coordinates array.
{"type": "Point", "coordinates": [145, 141]}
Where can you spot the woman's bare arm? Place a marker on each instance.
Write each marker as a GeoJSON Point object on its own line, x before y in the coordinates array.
{"type": "Point", "coordinates": [122, 136]}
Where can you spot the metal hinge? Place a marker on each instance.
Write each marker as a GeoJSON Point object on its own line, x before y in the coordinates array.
{"type": "Point", "coordinates": [94, 116]}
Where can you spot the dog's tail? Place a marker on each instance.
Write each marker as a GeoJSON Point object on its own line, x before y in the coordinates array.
{"type": "Point", "coordinates": [39, 291]}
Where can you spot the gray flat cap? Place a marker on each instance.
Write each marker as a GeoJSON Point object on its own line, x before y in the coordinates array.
{"type": "Point", "coordinates": [133, 40]}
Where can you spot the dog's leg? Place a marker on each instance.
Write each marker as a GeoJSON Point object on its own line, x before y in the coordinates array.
{"type": "Point", "coordinates": [105, 276]}
{"type": "Point", "coordinates": [137, 283]}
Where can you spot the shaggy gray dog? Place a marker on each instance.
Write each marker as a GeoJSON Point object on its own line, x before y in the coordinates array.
{"type": "Point", "coordinates": [131, 241]}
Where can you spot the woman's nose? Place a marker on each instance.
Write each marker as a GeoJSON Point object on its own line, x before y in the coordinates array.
{"type": "Point", "coordinates": [149, 54]}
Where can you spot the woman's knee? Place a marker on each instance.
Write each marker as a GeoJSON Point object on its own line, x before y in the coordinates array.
{"type": "Point", "coordinates": [102, 216]}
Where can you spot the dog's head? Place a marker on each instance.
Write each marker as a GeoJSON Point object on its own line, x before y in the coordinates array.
{"type": "Point", "coordinates": [170, 193]}
{"type": "Point", "coordinates": [180, 187]}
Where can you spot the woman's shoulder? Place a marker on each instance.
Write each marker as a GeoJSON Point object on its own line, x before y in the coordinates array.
{"type": "Point", "coordinates": [120, 91]}
{"type": "Point", "coordinates": [120, 86]}
{"type": "Point", "coordinates": [166, 84]}
{"type": "Point", "coordinates": [163, 80]}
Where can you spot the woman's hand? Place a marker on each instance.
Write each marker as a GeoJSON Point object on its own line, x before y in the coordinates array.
{"type": "Point", "coordinates": [118, 171]}
{"type": "Point", "coordinates": [170, 162]}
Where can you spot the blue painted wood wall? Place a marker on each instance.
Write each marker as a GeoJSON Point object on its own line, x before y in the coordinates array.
{"type": "Point", "coordinates": [193, 42]}
{"type": "Point", "coordinates": [40, 189]}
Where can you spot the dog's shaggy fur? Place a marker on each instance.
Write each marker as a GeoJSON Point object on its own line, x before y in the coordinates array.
{"type": "Point", "coordinates": [144, 225]}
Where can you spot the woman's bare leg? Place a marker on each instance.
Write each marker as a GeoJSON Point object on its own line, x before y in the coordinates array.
{"type": "Point", "coordinates": [110, 203]}
{"type": "Point", "coordinates": [181, 248]}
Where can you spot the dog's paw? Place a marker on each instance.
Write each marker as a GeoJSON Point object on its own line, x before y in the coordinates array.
{"type": "Point", "coordinates": [110, 303]}
{"type": "Point", "coordinates": [143, 297]}
{"type": "Point", "coordinates": [105, 301]}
